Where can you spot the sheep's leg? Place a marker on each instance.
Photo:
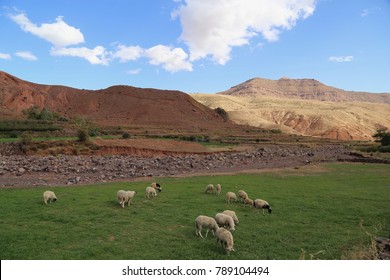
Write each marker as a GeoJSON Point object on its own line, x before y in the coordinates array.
{"type": "Point", "coordinates": [207, 231]}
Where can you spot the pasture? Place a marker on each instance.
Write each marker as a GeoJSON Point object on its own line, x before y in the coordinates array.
{"type": "Point", "coordinates": [319, 212]}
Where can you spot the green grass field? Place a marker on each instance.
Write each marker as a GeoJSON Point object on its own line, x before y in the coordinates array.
{"type": "Point", "coordinates": [316, 209]}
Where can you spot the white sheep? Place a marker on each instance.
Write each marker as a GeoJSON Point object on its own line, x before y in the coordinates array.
{"type": "Point", "coordinates": [233, 215]}
{"type": "Point", "coordinates": [262, 204]}
{"type": "Point", "coordinates": [125, 196]}
{"type": "Point", "coordinates": [218, 189]}
{"type": "Point", "coordinates": [156, 186]}
{"type": "Point", "coordinates": [225, 220]}
{"type": "Point", "coordinates": [209, 188]}
{"type": "Point", "coordinates": [150, 192]}
{"type": "Point", "coordinates": [205, 222]}
{"type": "Point", "coordinates": [49, 196]}
{"type": "Point", "coordinates": [231, 196]}
{"type": "Point", "coordinates": [225, 238]}
{"type": "Point", "coordinates": [248, 201]}
{"type": "Point", "coordinates": [242, 195]}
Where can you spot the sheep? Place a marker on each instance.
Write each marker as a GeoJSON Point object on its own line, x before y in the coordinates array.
{"type": "Point", "coordinates": [242, 195]}
{"type": "Point", "coordinates": [156, 186]}
{"type": "Point", "coordinates": [231, 196]}
{"type": "Point", "coordinates": [225, 220]}
{"type": "Point", "coordinates": [262, 204]}
{"type": "Point", "coordinates": [125, 196]}
{"type": "Point", "coordinates": [225, 238]}
{"type": "Point", "coordinates": [49, 196]}
{"type": "Point", "coordinates": [248, 201]}
{"type": "Point", "coordinates": [209, 188]}
{"type": "Point", "coordinates": [205, 222]}
{"type": "Point", "coordinates": [231, 214]}
{"type": "Point", "coordinates": [218, 189]}
{"type": "Point", "coordinates": [150, 192]}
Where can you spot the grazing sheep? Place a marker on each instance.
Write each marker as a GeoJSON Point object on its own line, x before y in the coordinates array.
{"type": "Point", "coordinates": [209, 188]}
{"type": "Point", "coordinates": [231, 214]}
{"type": "Point", "coordinates": [205, 222]}
{"type": "Point", "coordinates": [262, 204]}
{"type": "Point", "coordinates": [125, 196]}
{"type": "Point", "coordinates": [150, 192]}
{"type": "Point", "coordinates": [231, 196]}
{"type": "Point", "coordinates": [49, 196]}
{"type": "Point", "coordinates": [218, 189]}
{"type": "Point", "coordinates": [156, 186]}
{"type": "Point", "coordinates": [225, 238]}
{"type": "Point", "coordinates": [242, 195]}
{"type": "Point", "coordinates": [225, 220]}
{"type": "Point", "coordinates": [248, 201]}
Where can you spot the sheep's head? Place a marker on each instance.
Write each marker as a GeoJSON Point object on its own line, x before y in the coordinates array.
{"type": "Point", "coordinates": [269, 210]}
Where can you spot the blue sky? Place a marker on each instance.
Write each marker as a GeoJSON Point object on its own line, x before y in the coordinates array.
{"type": "Point", "coordinates": [202, 46]}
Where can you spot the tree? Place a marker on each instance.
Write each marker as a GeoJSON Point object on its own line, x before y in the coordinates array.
{"type": "Point", "coordinates": [382, 137]}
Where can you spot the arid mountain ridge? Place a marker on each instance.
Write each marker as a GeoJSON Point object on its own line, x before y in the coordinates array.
{"type": "Point", "coordinates": [305, 107]}
{"type": "Point", "coordinates": [296, 106]}
{"type": "Point", "coordinates": [113, 106]}
{"type": "Point", "coordinates": [308, 89]}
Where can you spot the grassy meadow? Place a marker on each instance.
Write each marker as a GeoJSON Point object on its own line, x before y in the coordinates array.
{"type": "Point", "coordinates": [319, 212]}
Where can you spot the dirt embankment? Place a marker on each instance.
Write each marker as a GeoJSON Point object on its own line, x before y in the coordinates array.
{"type": "Point", "coordinates": [18, 170]}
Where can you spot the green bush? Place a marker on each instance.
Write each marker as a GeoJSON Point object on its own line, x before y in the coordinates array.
{"type": "Point", "coordinates": [83, 136]}
{"type": "Point", "coordinates": [382, 137]}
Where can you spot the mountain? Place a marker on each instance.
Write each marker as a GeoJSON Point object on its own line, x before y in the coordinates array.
{"type": "Point", "coordinates": [113, 106]}
{"type": "Point", "coordinates": [309, 89]}
{"type": "Point", "coordinates": [304, 107]}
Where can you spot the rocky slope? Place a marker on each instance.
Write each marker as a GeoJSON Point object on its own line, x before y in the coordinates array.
{"type": "Point", "coordinates": [117, 105]}
{"type": "Point", "coordinates": [309, 89]}
{"type": "Point", "coordinates": [305, 107]}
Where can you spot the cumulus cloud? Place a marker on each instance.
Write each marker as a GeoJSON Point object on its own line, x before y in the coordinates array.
{"type": "Point", "coordinates": [213, 28]}
{"type": "Point", "coordinates": [97, 55]}
{"type": "Point", "coordinates": [5, 56]}
{"type": "Point", "coordinates": [171, 59]}
{"type": "Point", "coordinates": [348, 58]}
{"type": "Point", "coordinates": [26, 56]}
{"type": "Point", "coordinates": [128, 53]}
{"type": "Point", "coordinates": [59, 33]}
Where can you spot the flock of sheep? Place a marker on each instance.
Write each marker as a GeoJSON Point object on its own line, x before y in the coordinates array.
{"type": "Point", "coordinates": [224, 223]}
{"type": "Point", "coordinates": [221, 225]}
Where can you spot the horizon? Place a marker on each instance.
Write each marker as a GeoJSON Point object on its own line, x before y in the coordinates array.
{"type": "Point", "coordinates": [176, 45]}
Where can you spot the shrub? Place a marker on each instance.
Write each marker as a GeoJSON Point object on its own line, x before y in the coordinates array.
{"type": "Point", "coordinates": [382, 137]}
{"type": "Point", "coordinates": [126, 136]}
{"type": "Point", "coordinates": [83, 136]}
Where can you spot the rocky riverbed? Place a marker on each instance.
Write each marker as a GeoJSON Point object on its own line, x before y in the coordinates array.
{"type": "Point", "coordinates": [19, 170]}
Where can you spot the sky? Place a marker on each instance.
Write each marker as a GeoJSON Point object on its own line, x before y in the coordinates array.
{"type": "Point", "coordinates": [196, 46]}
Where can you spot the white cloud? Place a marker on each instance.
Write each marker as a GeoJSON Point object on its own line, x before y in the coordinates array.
{"type": "Point", "coordinates": [98, 55]}
{"type": "Point", "coordinates": [171, 59]}
{"type": "Point", "coordinates": [26, 56]}
{"type": "Point", "coordinates": [212, 28]}
{"type": "Point", "coordinates": [364, 13]}
{"type": "Point", "coordinates": [133, 71]}
{"type": "Point", "coordinates": [5, 56]}
{"type": "Point", "coordinates": [348, 58]}
{"type": "Point", "coordinates": [59, 33]}
{"type": "Point", "coordinates": [128, 53]}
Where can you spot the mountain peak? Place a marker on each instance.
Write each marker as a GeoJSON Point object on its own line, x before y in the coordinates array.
{"type": "Point", "coordinates": [309, 89]}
